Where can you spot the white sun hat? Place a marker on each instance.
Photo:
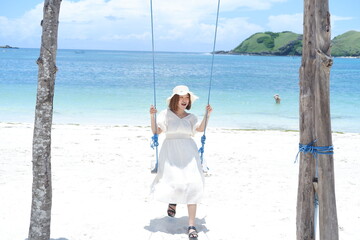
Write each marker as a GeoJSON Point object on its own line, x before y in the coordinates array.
{"type": "Point", "coordinates": [182, 90]}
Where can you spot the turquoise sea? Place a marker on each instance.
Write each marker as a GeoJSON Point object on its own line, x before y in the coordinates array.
{"type": "Point", "coordinates": [116, 87]}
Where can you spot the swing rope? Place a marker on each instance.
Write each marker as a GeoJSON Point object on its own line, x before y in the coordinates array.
{"type": "Point", "coordinates": [315, 150]}
{"type": "Point", "coordinates": [154, 143]}
{"type": "Point", "coordinates": [203, 138]}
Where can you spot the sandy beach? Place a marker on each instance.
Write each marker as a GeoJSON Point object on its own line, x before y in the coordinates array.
{"type": "Point", "coordinates": [101, 179]}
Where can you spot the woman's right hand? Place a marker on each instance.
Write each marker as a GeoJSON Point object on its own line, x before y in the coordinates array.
{"type": "Point", "coordinates": [152, 110]}
{"type": "Point", "coordinates": [154, 128]}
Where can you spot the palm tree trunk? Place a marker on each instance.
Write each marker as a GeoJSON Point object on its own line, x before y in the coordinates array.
{"type": "Point", "coordinates": [315, 124]}
{"type": "Point", "coordinates": [326, 187]}
{"type": "Point", "coordinates": [305, 199]}
{"type": "Point", "coordinates": [42, 189]}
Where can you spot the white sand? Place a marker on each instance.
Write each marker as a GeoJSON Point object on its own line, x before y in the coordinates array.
{"type": "Point", "coordinates": [101, 180]}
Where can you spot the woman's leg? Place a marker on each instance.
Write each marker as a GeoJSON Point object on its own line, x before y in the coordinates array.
{"type": "Point", "coordinates": [192, 214]}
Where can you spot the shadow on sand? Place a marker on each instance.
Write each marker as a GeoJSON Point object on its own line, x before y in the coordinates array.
{"type": "Point", "coordinates": [174, 225]}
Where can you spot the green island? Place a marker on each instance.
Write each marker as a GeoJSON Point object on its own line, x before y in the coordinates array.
{"type": "Point", "coordinates": [290, 44]}
{"type": "Point", "coordinates": [8, 46]}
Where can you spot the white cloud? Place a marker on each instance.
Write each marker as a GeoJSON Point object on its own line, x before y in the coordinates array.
{"type": "Point", "coordinates": [233, 31]}
{"type": "Point", "coordinates": [339, 18]}
{"type": "Point", "coordinates": [230, 5]}
{"type": "Point", "coordinates": [22, 28]}
{"type": "Point", "coordinates": [184, 24]}
{"type": "Point", "coordinates": [127, 37]}
{"type": "Point", "coordinates": [334, 19]}
{"type": "Point", "coordinates": [286, 22]}
{"type": "Point", "coordinates": [5, 29]}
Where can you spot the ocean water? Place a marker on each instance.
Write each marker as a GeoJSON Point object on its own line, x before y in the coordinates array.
{"type": "Point", "coordinates": [116, 87]}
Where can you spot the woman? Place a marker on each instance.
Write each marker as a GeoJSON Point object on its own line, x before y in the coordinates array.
{"type": "Point", "coordinates": [180, 178]}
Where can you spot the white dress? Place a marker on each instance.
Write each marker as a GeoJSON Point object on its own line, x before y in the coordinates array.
{"type": "Point", "coordinates": [180, 177]}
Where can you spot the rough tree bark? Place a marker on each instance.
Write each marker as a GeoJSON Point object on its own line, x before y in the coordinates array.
{"type": "Point", "coordinates": [305, 198]}
{"type": "Point", "coordinates": [328, 224]}
{"type": "Point", "coordinates": [315, 123]}
{"type": "Point", "coordinates": [41, 188]}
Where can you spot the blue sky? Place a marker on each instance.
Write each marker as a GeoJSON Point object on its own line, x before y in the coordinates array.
{"type": "Point", "coordinates": [179, 25]}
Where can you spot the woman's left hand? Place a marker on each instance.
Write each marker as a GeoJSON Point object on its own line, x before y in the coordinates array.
{"type": "Point", "coordinates": [208, 110]}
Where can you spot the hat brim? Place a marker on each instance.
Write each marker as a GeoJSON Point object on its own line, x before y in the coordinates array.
{"type": "Point", "coordinates": [193, 97]}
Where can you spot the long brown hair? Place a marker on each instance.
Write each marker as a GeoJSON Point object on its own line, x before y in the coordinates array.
{"type": "Point", "coordinates": [174, 101]}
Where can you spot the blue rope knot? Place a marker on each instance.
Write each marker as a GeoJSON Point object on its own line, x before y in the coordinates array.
{"type": "Point", "coordinates": [314, 150]}
{"type": "Point", "coordinates": [202, 148]}
{"type": "Point", "coordinates": [203, 139]}
{"type": "Point", "coordinates": [154, 142]}
{"type": "Point", "coordinates": [201, 151]}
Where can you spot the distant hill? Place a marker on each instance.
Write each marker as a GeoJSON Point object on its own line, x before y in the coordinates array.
{"type": "Point", "coordinates": [284, 43]}
{"type": "Point", "coordinates": [289, 43]}
{"type": "Point", "coordinates": [7, 46]}
{"type": "Point", "coordinates": [346, 45]}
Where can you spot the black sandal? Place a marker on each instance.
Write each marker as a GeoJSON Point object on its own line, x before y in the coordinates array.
{"type": "Point", "coordinates": [171, 210]}
{"type": "Point", "coordinates": [193, 235]}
